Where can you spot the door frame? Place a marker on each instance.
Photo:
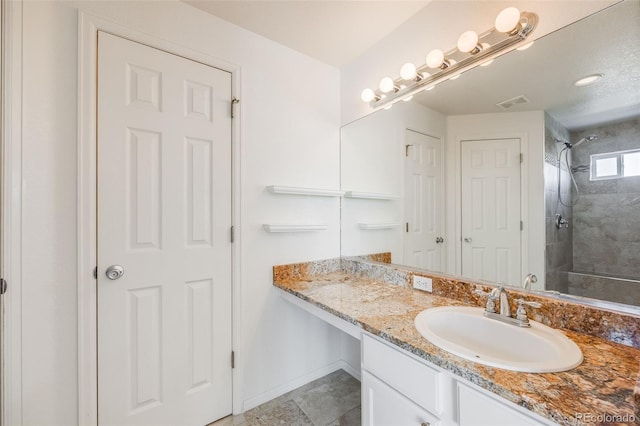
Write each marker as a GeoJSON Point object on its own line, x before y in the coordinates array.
{"type": "Point", "coordinates": [11, 226]}
{"type": "Point", "coordinates": [88, 27]}
{"type": "Point", "coordinates": [455, 250]}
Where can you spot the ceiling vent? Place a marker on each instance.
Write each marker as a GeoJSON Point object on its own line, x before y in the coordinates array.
{"type": "Point", "coordinates": [510, 103]}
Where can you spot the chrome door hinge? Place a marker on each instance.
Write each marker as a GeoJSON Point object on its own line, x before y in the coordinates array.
{"type": "Point", "coordinates": [521, 157]}
{"type": "Point", "coordinates": [95, 273]}
{"type": "Point", "coordinates": [406, 227]}
{"type": "Point", "coordinates": [234, 101]}
{"type": "Point", "coordinates": [233, 234]}
{"type": "Point", "coordinates": [3, 286]}
{"type": "Point", "coordinates": [521, 225]}
{"type": "Point", "coordinates": [233, 359]}
{"type": "Point", "coordinates": [406, 150]}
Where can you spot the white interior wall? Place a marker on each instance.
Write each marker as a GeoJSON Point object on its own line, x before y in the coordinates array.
{"type": "Point", "coordinates": [289, 136]}
{"type": "Point", "coordinates": [438, 26]}
{"type": "Point", "coordinates": [351, 355]}
{"type": "Point", "coordinates": [529, 127]}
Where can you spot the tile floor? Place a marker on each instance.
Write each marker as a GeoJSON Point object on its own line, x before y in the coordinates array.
{"type": "Point", "coordinates": [332, 400]}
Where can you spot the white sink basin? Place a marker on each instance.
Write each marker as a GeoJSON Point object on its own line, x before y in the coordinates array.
{"type": "Point", "coordinates": [466, 332]}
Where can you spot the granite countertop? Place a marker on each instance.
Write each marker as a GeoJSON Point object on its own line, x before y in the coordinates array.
{"type": "Point", "coordinates": [601, 389]}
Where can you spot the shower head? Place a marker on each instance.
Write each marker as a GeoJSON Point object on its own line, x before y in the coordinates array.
{"type": "Point", "coordinates": [585, 139]}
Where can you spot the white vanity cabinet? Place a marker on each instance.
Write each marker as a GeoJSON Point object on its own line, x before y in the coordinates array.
{"type": "Point", "coordinates": [399, 389]}
{"type": "Point", "coordinates": [396, 389]}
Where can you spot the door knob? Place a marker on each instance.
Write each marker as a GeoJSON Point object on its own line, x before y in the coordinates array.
{"type": "Point", "coordinates": [114, 272]}
{"type": "Point", "coordinates": [439, 240]}
{"type": "Point", "coordinates": [468, 239]}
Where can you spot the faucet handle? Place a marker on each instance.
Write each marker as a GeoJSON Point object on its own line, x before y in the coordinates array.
{"type": "Point", "coordinates": [491, 297]}
{"type": "Point", "coordinates": [521, 313]}
{"type": "Point", "coordinates": [529, 303]}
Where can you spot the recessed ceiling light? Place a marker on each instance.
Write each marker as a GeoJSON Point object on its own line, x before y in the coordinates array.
{"type": "Point", "coordinates": [590, 79]}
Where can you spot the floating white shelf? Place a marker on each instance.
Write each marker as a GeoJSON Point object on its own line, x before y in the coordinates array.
{"type": "Point", "coordinates": [294, 228]}
{"type": "Point", "coordinates": [371, 195]}
{"type": "Point", "coordinates": [294, 190]}
{"type": "Point", "coordinates": [374, 226]}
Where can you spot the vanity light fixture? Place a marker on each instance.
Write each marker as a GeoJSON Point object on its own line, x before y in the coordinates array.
{"type": "Point", "coordinates": [512, 28]}
{"type": "Point", "coordinates": [590, 79]}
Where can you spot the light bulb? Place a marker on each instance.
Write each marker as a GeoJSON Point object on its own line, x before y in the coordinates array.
{"type": "Point", "coordinates": [408, 71]}
{"type": "Point", "coordinates": [367, 95]}
{"type": "Point", "coordinates": [508, 20]}
{"type": "Point", "coordinates": [435, 58]}
{"type": "Point", "coordinates": [468, 41]}
{"type": "Point", "coordinates": [386, 85]}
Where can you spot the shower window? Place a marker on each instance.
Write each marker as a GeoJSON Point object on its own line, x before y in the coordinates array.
{"type": "Point", "coordinates": [615, 165]}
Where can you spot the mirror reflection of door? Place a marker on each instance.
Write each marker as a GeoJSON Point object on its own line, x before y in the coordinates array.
{"type": "Point", "coordinates": [423, 201]}
{"type": "Point", "coordinates": [491, 221]}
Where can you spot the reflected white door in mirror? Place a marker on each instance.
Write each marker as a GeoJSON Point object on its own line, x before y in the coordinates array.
{"type": "Point", "coordinates": [423, 207]}
{"type": "Point", "coordinates": [490, 210]}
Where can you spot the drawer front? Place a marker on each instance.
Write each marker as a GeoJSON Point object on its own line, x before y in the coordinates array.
{"type": "Point", "coordinates": [384, 406]}
{"type": "Point", "coordinates": [408, 376]}
{"type": "Point", "coordinates": [476, 408]}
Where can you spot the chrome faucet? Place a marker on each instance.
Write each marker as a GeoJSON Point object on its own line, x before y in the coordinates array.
{"type": "Point", "coordinates": [528, 280]}
{"type": "Point", "coordinates": [500, 294]}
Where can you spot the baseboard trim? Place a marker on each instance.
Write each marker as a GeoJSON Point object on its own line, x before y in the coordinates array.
{"type": "Point", "coordinates": [354, 372]}
{"type": "Point", "coordinates": [300, 381]}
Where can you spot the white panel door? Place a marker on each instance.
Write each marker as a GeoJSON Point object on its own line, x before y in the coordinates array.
{"type": "Point", "coordinates": [491, 210]}
{"type": "Point", "coordinates": [423, 201]}
{"type": "Point", "coordinates": [164, 215]}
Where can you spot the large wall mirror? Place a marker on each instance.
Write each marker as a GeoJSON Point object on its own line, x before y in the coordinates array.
{"type": "Point", "coordinates": [512, 169]}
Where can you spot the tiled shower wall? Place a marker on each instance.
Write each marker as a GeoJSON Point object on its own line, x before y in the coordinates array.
{"type": "Point", "coordinates": [606, 236]}
{"type": "Point", "coordinates": [558, 242]}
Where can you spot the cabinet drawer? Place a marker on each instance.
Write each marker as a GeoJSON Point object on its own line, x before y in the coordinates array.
{"type": "Point", "coordinates": [384, 406]}
{"type": "Point", "coordinates": [411, 378]}
{"type": "Point", "coordinates": [477, 408]}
